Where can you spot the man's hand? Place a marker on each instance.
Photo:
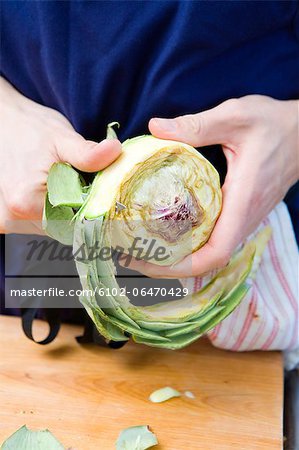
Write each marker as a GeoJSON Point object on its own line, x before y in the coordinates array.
{"type": "Point", "coordinates": [259, 137]}
{"type": "Point", "coordinates": [33, 137]}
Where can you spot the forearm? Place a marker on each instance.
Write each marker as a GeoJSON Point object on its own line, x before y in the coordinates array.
{"type": "Point", "coordinates": [290, 122]}
{"type": "Point", "coordinates": [297, 155]}
{"type": "Point", "coordinates": [8, 93]}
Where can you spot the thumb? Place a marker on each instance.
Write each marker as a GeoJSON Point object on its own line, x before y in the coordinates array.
{"type": "Point", "coordinates": [209, 127]}
{"type": "Point", "coordinates": [88, 156]}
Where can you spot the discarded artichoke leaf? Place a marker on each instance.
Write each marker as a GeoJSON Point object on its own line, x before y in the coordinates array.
{"type": "Point", "coordinates": [136, 438]}
{"type": "Point", "coordinates": [25, 439]}
{"type": "Point", "coordinates": [189, 394]}
{"type": "Point", "coordinates": [163, 394]}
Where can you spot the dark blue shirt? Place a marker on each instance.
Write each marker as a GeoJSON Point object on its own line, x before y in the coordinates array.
{"type": "Point", "coordinates": [100, 61]}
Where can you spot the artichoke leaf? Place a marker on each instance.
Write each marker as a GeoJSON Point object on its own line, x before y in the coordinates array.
{"type": "Point", "coordinates": [175, 343]}
{"type": "Point", "coordinates": [158, 326]}
{"type": "Point", "coordinates": [65, 187]}
{"type": "Point", "coordinates": [232, 302]}
{"type": "Point", "coordinates": [25, 439]}
{"type": "Point", "coordinates": [65, 193]}
{"type": "Point", "coordinates": [88, 276]}
{"type": "Point", "coordinates": [57, 222]}
{"type": "Point", "coordinates": [136, 438]}
{"type": "Point", "coordinates": [197, 325]}
{"type": "Point", "coordinates": [108, 330]}
{"type": "Point", "coordinates": [142, 333]}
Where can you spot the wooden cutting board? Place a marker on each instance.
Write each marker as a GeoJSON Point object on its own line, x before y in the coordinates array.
{"type": "Point", "coordinates": [87, 395]}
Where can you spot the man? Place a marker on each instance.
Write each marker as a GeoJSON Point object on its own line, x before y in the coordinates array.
{"type": "Point", "coordinates": [224, 73]}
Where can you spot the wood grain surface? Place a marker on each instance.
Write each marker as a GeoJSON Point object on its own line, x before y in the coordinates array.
{"type": "Point", "coordinates": [86, 395]}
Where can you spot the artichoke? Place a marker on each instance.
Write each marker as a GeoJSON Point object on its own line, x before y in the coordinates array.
{"type": "Point", "coordinates": [161, 191]}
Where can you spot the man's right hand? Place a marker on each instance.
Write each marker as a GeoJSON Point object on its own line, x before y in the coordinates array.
{"type": "Point", "coordinates": [32, 138]}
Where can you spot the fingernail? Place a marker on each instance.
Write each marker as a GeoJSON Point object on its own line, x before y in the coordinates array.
{"type": "Point", "coordinates": [166, 124]}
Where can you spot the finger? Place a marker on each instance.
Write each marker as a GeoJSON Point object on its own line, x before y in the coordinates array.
{"type": "Point", "coordinates": [214, 126]}
{"type": "Point", "coordinates": [89, 156]}
{"type": "Point", "coordinates": [148, 269]}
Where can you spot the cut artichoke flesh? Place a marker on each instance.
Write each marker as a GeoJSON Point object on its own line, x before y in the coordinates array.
{"type": "Point", "coordinates": [189, 394]}
{"type": "Point", "coordinates": [163, 394]}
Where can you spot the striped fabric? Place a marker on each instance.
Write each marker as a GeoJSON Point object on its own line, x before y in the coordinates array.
{"type": "Point", "coordinates": [268, 318]}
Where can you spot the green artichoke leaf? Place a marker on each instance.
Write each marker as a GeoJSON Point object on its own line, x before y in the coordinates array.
{"type": "Point", "coordinates": [107, 329]}
{"type": "Point", "coordinates": [232, 301]}
{"type": "Point", "coordinates": [175, 343]}
{"type": "Point", "coordinates": [90, 283]}
{"type": "Point", "coordinates": [136, 438]}
{"type": "Point", "coordinates": [197, 325]}
{"type": "Point", "coordinates": [65, 187]}
{"type": "Point", "coordinates": [102, 278]}
{"type": "Point", "coordinates": [65, 192]}
{"type": "Point", "coordinates": [158, 326]}
{"type": "Point", "coordinates": [25, 439]}
{"type": "Point", "coordinates": [101, 321]}
{"type": "Point", "coordinates": [143, 333]}
{"type": "Point", "coordinates": [117, 333]}
{"type": "Point", "coordinates": [57, 222]}
{"type": "Point", "coordinates": [88, 300]}
{"type": "Point", "coordinates": [89, 274]}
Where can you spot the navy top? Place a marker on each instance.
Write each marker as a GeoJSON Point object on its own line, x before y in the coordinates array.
{"type": "Point", "coordinates": [101, 61]}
